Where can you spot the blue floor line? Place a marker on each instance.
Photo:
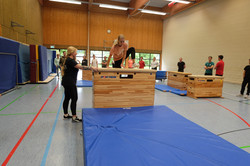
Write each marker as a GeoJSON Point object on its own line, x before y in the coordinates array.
{"type": "Point", "coordinates": [45, 155]}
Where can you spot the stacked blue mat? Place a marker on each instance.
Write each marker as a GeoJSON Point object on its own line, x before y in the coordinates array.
{"type": "Point", "coordinates": [153, 136]}
{"type": "Point", "coordinates": [84, 83]}
{"type": "Point", "coordinates": [161, 75]}
{"type": "Point", "coordinates": [166, 88]}
{"type": "Point", "coordinates": [8, 65]}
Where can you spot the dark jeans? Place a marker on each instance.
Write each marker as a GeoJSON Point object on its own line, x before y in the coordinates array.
{"type": "Point", "coordinates": [131, 51]}
{"type": "Point", "coordinates": [243, 85]}
{"type": "Point", "coordinates": [57, 70]}
{"type": "Point", "coordinates": [70, 93]}
{"type": "Point", "coordinates": [208, 74]}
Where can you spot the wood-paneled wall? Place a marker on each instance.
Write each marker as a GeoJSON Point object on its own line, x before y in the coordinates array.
{"type": "Point", "coordinates": [70, 27]}
{"type": "Point", "coordinates": [25, 12]}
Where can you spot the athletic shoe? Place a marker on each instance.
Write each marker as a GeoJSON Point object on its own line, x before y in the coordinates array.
{"type": "Point", "coordinates": [76, 120]}
{"type": "Point", "coordinates": [67, 117]}
{"type": "Point", "coordinates": [239, 95]}
{"type": "Point", "coordinates": [246, 97]}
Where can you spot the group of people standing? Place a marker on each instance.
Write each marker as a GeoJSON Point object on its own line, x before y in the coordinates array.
{"type": "Point", "coordinates": [209, 66]}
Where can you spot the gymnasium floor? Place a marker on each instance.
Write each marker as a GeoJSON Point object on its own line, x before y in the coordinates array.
{"type": "Point", "coordinates": [51, 140]}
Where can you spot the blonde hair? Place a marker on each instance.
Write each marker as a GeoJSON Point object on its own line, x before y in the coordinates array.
{"type": "Point", "coordinates": [121, 36]}
{"type": "Point", "coordinates": [70, 50]}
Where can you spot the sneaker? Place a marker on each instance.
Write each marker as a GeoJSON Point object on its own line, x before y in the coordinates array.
{"type": "Point", "coordinates": [239, 95]}
{"type": "Point", "coordinates": [246, 97]}
{"type": "Point", "coordinates": [76, 120]}
{"type": "Point", "coordinates": [67, 117]}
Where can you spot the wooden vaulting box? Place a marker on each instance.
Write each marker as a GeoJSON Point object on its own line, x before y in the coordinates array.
{"type": "Point", "coordinates": [87, 75]}
{"type": "Point", "coordinates": [123, 88]}
{"type": "Point", "coordinates": [178, 80]}
{"type": "Point", "coordinates": [204, 86]}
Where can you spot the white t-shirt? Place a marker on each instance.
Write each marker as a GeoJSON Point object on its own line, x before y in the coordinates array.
{"type": "Point", "coordinates": [154, 64]}
{"type": "Point", "coordinates": [56, 61]}
{"type": "Point", "coordinates": [94, 63]}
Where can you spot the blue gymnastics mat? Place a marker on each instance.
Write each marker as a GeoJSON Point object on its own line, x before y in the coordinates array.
{"type": "Point", "coordinates": [153, 136]}
{"type": "Point", "coordinates": [166, 88]}
{"type": "Point", "coordinates": [84, 83]}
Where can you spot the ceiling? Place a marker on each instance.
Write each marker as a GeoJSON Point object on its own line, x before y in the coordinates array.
{"type": "Point", "coordinates": [134, 5]}
{"type": "Point", "coordinates": [154, 3]}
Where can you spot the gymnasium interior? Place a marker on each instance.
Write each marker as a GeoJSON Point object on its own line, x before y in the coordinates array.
{"type": "Point", "coordinates": [131, 116]}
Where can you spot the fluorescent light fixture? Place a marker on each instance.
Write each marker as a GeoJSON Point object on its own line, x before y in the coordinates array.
{"type": "Point", "coordinates": [113, 7]}
{"type": "Point", "coordinates": [153, 12]}
{"type": "Point", "coordinates": [180, 1]}
{"type": "Point", "coordinates": [67, 1]}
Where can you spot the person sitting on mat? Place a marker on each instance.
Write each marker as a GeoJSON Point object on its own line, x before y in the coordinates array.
{"type": "Point", "coordinates": [220, 66]}
{"type": "Point", "coordinates": [154, 64]}
{"type": "Point", "coordinates": [69, 83]}
{"type": "Point", "coordinates": [209, 66]}
{"type": "Point", "coordinates": [181, 65]}
{"type": "Point", "coordinates": [246, 81]}
{"type": "Point", "coordinates": [141, 63]}
{"type": "Point", "coordinates": [56, 62]}
{"type": "Point", "coordinates": [120, 52]}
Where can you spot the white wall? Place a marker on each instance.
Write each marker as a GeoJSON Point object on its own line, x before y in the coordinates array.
{"type": "Point", "coordinates": [211, 28]}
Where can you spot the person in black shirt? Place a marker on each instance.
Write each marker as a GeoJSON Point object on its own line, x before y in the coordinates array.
{"type": "Point", "coordinates": [181, 65]}
{"type": "Point", "coordinates": [71, 68]}
{"type": "Point", "coordinates": [246, 80]}
{"type": "Point", "coordinates": [84, 61]}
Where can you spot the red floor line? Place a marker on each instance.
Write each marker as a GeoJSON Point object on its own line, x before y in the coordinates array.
{"type": "Point", "coordinates": [26, 131]}
{"type": "Point", "coordinates": [230, 111]}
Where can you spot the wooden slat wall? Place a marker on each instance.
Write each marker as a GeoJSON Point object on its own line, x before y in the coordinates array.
{"type": "Point", "coordinates": [69, 27]}
{"type": "Point", "coordinates": [64, 26]}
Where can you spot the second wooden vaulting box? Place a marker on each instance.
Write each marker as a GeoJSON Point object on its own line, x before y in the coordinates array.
{"type": "Point", "coordinates": [123, 88]}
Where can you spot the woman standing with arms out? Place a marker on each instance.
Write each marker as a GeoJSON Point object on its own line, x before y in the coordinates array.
{"type": "Point", "coordinates": [120, 52]}
{"type": "Point", "coordinates": [71, 68]}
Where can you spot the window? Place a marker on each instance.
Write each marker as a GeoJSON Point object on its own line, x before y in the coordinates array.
{"type": "Point", "coordinates": [147, 58]}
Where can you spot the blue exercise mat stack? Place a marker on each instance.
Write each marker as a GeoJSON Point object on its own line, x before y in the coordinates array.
{"type": "Point", "coordinates": [9, 51]}
{"type": "Point", "coordinates": [153, 136]}
{"type": "Point", "coordinates": [50, 61]}
{"type": "Point", "coordinates": [84, 83]}
{"type": "Point", "coordinates": [24, 63]}
{"type": "Point", "coordinates": [53, 58]}
{"type": "Point", "coordinates": [161, 75]}
{"type": "Point", "coordinates": [43, 63]}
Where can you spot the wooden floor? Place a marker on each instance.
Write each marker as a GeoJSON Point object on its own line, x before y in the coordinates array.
{"type": "Point", "coordinates": [53, 141]}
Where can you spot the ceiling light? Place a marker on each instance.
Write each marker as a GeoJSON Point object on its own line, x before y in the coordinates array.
{"type": "Point", "coordinates": [113, 7]}
{"type": "Point", "coordinates": [66, 1]}
{"type": "Point", "coordinates": [180, 1]}
{"type": "Point", "coordinates": [153, 12]}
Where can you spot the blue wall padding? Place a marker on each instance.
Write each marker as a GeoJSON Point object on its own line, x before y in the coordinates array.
{"type": "Point", "coordinates": [161, 75]}
{"type": "Point", "coordinates": [53, 65]}
{"type": "Point", "coordinates": [50, 61]}
{"type": "Point", "coordinates": [153, 136]}
{"type": "Point", "coordinates": [24, 63]}
{"type": "Point", "coordinates": [43, 63]}
{"type": "Point", "coordinates": [8, 64]}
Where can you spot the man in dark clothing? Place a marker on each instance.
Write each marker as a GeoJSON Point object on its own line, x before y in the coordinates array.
{"type": "Point", "coordinates": [84, 61]}
{"type": "Point", "coordinates": [181, 65]}
{"type": "Point", "coordinates": [246, 80]}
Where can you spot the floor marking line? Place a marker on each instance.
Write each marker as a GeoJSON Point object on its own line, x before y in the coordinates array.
{"type": "Point", "coordinates": [45, 155]}
{"type": "Point", "coordinates": [18, 98]}
{"type": "Point", "coordinates": [27, 113]}
{"type": "Point", "coordinates": [233, 131]}
{"type": "Point", "coordinates": [229, 111]}
{"type": "Point", "coordinates": [243, 147]}
{"type": "Point", "coordinates": [26, 131]}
